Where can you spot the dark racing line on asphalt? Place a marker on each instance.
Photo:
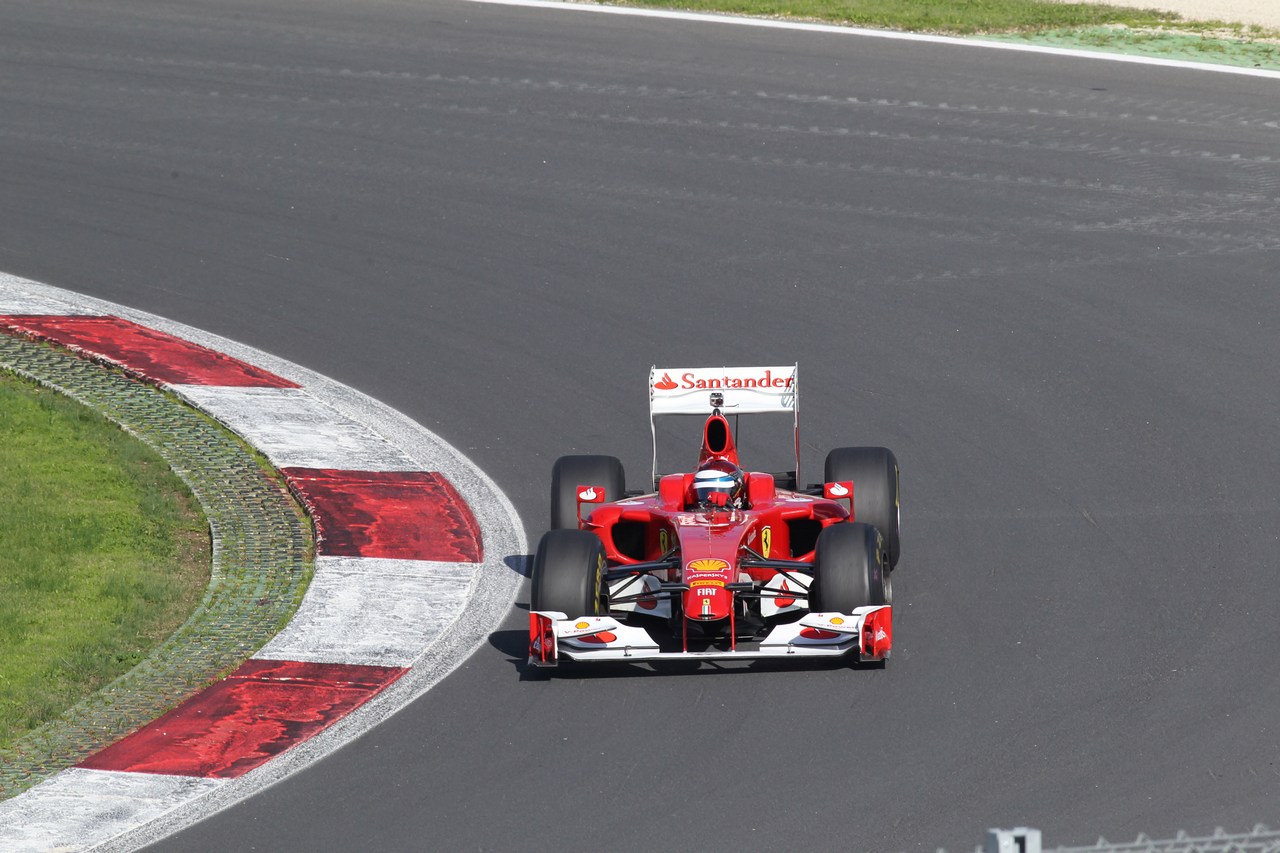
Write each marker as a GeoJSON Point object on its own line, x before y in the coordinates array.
{"type": "Point", "coordinates": [1040, 281]}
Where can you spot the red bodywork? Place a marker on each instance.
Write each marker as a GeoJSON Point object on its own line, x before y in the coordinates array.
{"type": "Point", "coordinates": [775, 524]}
{"type": "Point", "coordinates": [732, 562]}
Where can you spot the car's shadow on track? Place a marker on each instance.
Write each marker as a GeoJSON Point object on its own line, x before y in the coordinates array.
{"type": "Point", "coordinates": [521, 564]}
{"type": "Point", "coordinates": [514, 643]}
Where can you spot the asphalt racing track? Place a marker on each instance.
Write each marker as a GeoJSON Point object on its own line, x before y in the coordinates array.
{"type": "Point", "coordinates": [1048, 283]}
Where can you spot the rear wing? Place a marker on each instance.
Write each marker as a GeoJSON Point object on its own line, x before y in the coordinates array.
{"type": "Point", "coordinates": [732, 390]}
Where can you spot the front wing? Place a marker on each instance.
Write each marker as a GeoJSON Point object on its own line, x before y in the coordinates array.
{"type": "Point", "coordinates": [866, 633]}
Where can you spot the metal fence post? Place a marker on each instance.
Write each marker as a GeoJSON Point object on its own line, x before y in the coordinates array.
{"type": "Point", "coordinates": [1017, 840]}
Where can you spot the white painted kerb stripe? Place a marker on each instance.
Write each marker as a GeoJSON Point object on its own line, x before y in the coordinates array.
{"type": "Point", "coordinates": [17, 299]}
{"type": "Point", "coordinates": [294, 429]}
{"type": "Point", "coordinates": [373, 612]}
{"type": "Point", "coordinates": [103, 804]}
{"type": "Point", "coordinates": [831, 29]}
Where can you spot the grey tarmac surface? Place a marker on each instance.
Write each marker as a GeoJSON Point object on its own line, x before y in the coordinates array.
{"type": "Point", "coordinates": [1046, 283]}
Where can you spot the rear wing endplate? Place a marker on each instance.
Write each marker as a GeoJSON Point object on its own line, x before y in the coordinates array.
{"type": "Point", "coordinates": [732, 390]}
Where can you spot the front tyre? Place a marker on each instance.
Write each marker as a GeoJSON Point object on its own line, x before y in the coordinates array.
{"type": "Point", "coordinates": [570, 472]}
{"type": "Point", "coordinates": [849, 569]}
{"type": "Point", "coordinates": [874, 472]}
{"type": "Point", "coordinates": [568, 574]}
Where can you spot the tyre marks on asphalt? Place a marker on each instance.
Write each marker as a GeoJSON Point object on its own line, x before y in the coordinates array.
{"type": "Point", "coordinates": [1212, 174]}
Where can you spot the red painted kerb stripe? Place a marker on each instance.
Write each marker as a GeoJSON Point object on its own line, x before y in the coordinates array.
{"type": "Point", "coordinates": [405, 515]}
{"type": "Point", "coordinates": [150, 354]}
{"type": "Point", "coordinates": [245, 720]}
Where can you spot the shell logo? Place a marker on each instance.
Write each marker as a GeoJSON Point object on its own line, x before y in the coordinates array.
{"type": "Point", "coordinates": [706, 564]}
{"type": "Point", "coordinates": [836, 620]}
{"type": "Point", "coordinates": [581, 625]}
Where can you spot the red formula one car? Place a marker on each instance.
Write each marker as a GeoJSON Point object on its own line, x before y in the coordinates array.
{"type": "Point", "coordinates": [718, 562]}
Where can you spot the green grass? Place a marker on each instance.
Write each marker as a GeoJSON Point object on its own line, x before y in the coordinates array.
{"type": "Point", "coordinates": [941, 16]}
{"type": "Point", "coordinates": [103, 552]}
{"type": "Point", "coordinates": [1111, 28]}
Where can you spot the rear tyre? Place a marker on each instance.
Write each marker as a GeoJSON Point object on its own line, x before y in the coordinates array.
{"type": "Point", "coordinates": [568, 574]}
{"type": "Point", "coordinates": [849, 569]}
{"type": "Point", "coordinates": [874, 472]}
{"type": "Point", "coordinates": [570, 472]}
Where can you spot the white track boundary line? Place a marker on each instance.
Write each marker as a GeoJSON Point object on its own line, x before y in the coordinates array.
{"type": "Point", "coordinates": [488, 599]}
{"type": "Point", "coordinates": [862, 32]}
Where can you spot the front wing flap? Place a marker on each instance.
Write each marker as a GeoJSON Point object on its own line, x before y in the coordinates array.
{"type": "Point", "coordinates": [866, 633]}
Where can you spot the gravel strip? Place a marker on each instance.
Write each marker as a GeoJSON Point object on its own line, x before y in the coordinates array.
{"type": "Point", "coordinates": [1265, 13]}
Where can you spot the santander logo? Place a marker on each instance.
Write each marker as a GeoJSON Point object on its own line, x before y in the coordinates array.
{"type": "Point", "coordinates": [703, 380]}
{"type": "Point", "coordinates": [666, 383]}
{"type": "Point", "coordinates": [838, 491]}
{"type": "Point", "coordinates": [587, 495]}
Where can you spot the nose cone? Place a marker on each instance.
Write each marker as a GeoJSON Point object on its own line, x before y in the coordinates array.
{"type": "Point", "coordinates": [707, 597]}
{"type": "Point", "coordinates": [707, 600]}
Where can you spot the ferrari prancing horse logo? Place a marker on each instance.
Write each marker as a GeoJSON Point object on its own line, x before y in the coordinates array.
{"type": "Point", "coordinates": [766, 541]}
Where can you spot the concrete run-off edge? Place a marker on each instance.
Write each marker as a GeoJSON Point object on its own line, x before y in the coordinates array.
{"type": "Point", "coordinates": [482, 597]}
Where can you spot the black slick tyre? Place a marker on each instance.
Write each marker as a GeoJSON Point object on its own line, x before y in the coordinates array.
{"type": "Point", "coordinates": [874, 472]}
{"type": "Point", "coordinates": [568, 574]}
{"type": "Point", "coordinates": [570, 472]}
{"type": "Point", "coordinates": [849, 569]}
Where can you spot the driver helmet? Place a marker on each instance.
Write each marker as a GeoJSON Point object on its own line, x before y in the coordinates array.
{"type": "Point", "coordinates": [719, 483]}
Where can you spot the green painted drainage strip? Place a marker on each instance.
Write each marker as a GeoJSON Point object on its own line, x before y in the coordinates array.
{"type": "Point", "coordinates": [262, 561]}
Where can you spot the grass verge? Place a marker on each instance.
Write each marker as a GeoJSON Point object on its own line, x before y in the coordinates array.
{"type": "Point", "coordinates": [936, 16]}
{"type": "Point", "coordinates": [103, 553]}
{"type": "Point", "coordinates": [1089, 26]}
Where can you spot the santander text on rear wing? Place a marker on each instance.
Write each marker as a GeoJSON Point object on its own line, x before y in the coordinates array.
{"type": "Point", "coordinates": [732, 390]}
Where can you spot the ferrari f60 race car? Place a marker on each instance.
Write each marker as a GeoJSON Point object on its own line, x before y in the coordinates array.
{"type": "Point", "coordinates": [718, 563]}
